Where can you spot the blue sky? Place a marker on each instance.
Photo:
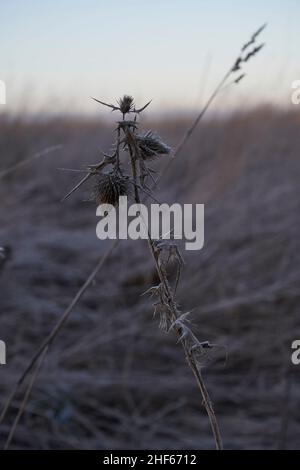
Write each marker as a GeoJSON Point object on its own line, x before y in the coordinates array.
{"type": "Point", "coordinates": [56, 54]}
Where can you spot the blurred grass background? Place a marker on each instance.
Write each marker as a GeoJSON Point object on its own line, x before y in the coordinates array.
{"type": "Point", "coordinates": [112, 379]}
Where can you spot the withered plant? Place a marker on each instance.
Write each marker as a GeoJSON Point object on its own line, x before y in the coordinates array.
{"type": "Point", "coordinates": [140, 149]}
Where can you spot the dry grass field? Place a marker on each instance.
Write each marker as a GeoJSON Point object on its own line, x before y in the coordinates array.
{"type": "Point", "coordinates": [112, 379]}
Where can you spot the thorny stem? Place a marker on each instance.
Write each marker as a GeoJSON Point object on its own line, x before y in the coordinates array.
{"type": "Point", "coordinates": [174, 313]}
{"type": "Point", "coordinates": [134, 176]}
{"type": "Point", "coordinates": [206, 400]}
{"type": "Point", "coordinates": [118, 150]}
{"type": "Point", "coordinates": [189, 354]}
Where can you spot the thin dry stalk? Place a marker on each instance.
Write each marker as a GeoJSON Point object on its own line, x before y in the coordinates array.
{"type": "Point", "coordinates": [27, 160]}
{"type": "Point", "coordinates": [26, 397]}
{"type": "Point", "coordinates": [46, 344]}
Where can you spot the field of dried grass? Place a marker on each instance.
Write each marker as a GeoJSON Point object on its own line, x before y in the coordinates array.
{"type": "Point", "coordinates": [112, 379]}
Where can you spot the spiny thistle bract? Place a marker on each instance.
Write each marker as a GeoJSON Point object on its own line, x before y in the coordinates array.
{"type": "Point", "coordinates": [109, 188]}
{"type": "Point", "coordinates": [151, 146]}
{"type": "Point", "coordinates": [126, 104]}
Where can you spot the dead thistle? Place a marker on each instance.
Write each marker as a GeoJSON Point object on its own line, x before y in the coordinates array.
{"type": "Point", "coordinates": [172, 319]}
{"type": "Point", "coordinates": [109, 188]}
{"type": "Point", "coordinates": [137, 150]}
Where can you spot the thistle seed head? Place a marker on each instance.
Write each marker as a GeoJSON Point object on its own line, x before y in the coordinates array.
{"type": "Point", "coordinates": [126, 104]}
{"type": "Point", "coordinates": [151, 146]}
{"type": "Point", "coordinates": [109, 188]}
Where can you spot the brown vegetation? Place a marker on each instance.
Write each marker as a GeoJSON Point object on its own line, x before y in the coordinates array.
{"type": "Point", "coordinates": [112, 380]}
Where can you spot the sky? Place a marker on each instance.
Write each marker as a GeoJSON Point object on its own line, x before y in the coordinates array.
{"type": "Point", "coordinates": [55, 55]}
